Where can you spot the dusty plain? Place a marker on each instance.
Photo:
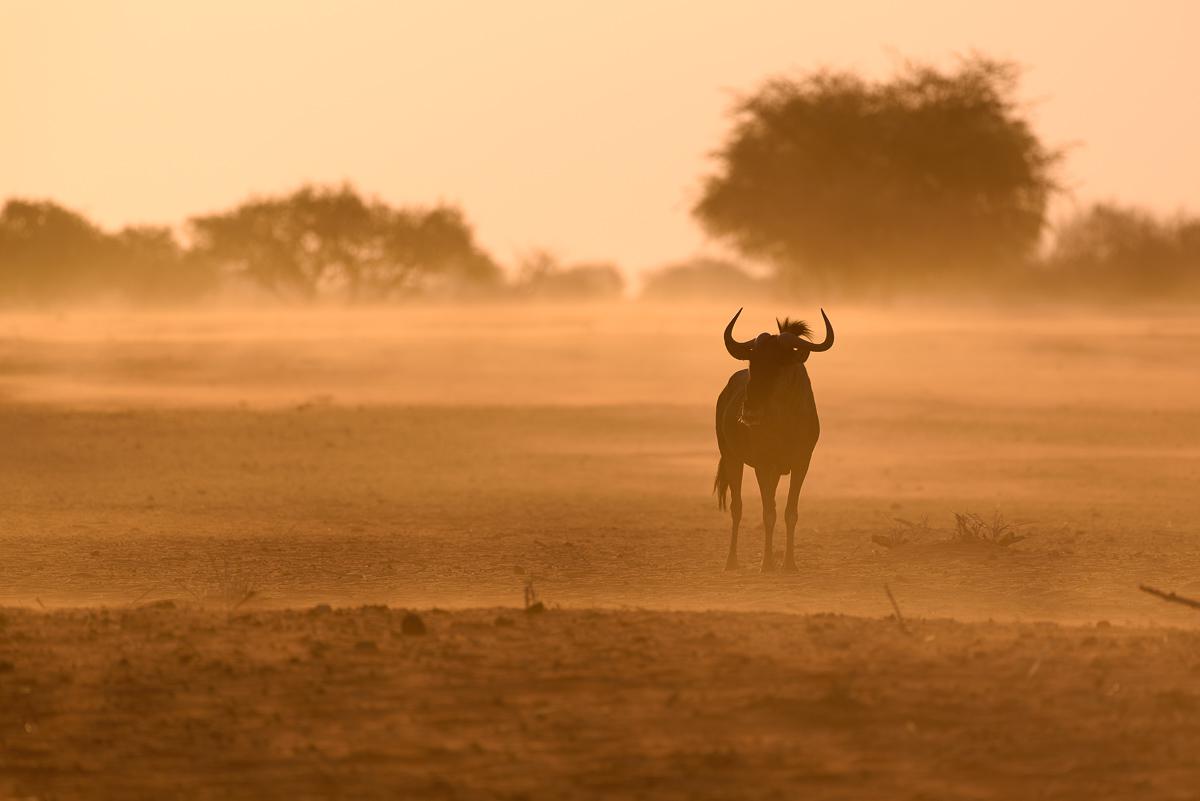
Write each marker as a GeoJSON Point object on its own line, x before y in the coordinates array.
{"type": "Point", "coordinates": [179, 492]}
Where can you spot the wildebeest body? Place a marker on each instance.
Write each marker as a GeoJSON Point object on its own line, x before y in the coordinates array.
{"type": "Point", "coordinates": [779, 447]}
{"type": "Point", "coordinates": [766, 418]}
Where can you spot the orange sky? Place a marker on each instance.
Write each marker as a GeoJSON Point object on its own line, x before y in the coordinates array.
{"type": "Point", "coordinates": [577, 126]}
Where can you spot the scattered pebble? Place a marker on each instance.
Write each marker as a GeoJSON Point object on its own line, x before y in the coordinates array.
{"type": "Point", "coordinates": [412, 624]}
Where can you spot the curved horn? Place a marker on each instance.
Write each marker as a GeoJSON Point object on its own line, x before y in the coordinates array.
{"type": "Point", "coordinates": [815, 347]}
{"type": "Point", "coordinates": [738, 350]}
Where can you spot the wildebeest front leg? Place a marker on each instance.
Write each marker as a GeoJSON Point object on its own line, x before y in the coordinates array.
{"type": "Point", "coordinates": [768, 480]}
{"type": "Point", "coordinates": [735, 511]}
{"type": "Point", "coordinates": [791, 515]}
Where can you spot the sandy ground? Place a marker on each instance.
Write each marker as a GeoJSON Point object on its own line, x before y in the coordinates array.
{"type": "Point", "coordinates": [242, 464]}
{"type": "Point", "coordinates": [162, 703]}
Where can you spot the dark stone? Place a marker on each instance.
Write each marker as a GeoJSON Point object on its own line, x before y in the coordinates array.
{"type": "Point", "coordinates": [412, 624]}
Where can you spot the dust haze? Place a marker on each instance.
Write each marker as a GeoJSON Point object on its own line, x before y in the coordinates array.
{"type": "Point", "coordinates": [443, 456]}
{"type": "Point", "coordinates": [181, 486]}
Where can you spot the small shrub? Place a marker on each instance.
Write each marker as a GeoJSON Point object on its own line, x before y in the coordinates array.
{"type": "Point", "coordinates": [971, 527]}
{"type": "Point", "coordinates": [223, 584]}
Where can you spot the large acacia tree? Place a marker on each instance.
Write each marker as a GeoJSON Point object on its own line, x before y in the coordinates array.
{"type": "Point", "coordinates": [833, 178]}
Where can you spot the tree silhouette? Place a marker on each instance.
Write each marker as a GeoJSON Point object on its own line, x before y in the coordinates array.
{"type": "Point", "coordinates": [541, 275]}
{"type": "Point", "coordinates": [320, 240]}
{"type": "Point", "coordinates": [48, 252]}
{"type": "Point", "coordinates": [1120, 250]}
{"type": "Point", "coordinates": [832, 178]}
{"type": "Point", "coordinates": [700, 278]}
{"type": "Point", "coordinates": [147, 263]}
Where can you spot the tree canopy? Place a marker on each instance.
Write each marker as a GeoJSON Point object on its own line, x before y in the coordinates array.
{"type": "Point", "coordinates": [330, 240]}
{"type": "Point", "coordinates": [701, 278]}
{"type": "Point", "coordinates": [50, 253]}
{"type": "Point", "coordinates": [541, 275]}
{"type": "Point", "coordinates": [832, 178]}
{"type": "Point", "coordinates": [1112, 249]}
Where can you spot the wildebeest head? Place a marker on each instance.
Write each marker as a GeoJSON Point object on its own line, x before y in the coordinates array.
{"type": "Point", "coordinates": [768, 355]}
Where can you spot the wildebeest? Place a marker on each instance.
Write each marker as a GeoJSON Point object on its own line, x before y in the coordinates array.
{"type": "Point", "coordinates": [767, 418]}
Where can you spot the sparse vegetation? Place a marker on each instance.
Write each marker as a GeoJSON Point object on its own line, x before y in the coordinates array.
{"type": "Point", "coordinates": [702, 279]}
{"type": "Point", "coordinates": [541, 275]}
{"type": "Point", "coordinates": [532, 604]}
{"type": "Point", "coordinates": [1122, 251]}
{"type": "Point", "coordinates": [969, 527]}
{"type": "Point", "coordinates": [904, 532]}
{"type": "Point", "coordinates": [222, 583]}
{"type": "Point", "coordinates": [994, 530]}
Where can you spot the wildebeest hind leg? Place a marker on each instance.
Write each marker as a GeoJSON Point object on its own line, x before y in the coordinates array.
{"type": "Point", "coordinates": [734, 477]}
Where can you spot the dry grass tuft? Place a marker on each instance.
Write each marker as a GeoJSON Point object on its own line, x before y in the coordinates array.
{"type": "Point", "coordinates": [222, 584]}
{"type": "Point", "coordinates": [903, 533]}
{"type": "Point", "coordinates": [971, 527]}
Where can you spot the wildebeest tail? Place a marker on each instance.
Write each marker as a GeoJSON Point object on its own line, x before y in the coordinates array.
{"type": "Point", "coordinates": [721, 485]}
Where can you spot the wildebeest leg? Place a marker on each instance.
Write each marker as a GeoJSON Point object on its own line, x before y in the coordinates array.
{"type": "Point", "coordinates": [768, 480]}
{"type": "Point", "coordinates": [735, 510]}
{"type": "Point", "coordinates": [790, 515]}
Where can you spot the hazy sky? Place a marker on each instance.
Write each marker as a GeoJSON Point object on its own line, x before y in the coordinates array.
{"type": "Point", "coordinates": [582, 127]}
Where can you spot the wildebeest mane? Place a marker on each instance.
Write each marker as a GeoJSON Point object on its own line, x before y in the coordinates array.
{"type": "Point", "coordinates": [789, 326]}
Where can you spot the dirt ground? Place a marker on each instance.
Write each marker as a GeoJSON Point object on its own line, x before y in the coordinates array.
{"type": "Point", "coordinates": [240, 466]}
{"type": "Point", "coordinates": [166, 703]}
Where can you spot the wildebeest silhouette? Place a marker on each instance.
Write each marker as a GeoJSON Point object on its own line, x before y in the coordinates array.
{"type": "Point", "coordinates": [767, 418]}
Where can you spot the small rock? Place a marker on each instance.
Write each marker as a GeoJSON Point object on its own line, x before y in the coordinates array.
{"type": "Point", "coordinates": [504, 622]}
{"type": "Point", "coordinates": [1103, 624]}
{"type": "Point", "coordinates": [6, 666]}
{"type": "Point", "coordinates": [535, 608]}
{"type": "Point", "coordinates": [366, 645]}
{"type": "Point", "coordinates": [412, 624]}
{"type": "Point", "coordinates": [320, 609]}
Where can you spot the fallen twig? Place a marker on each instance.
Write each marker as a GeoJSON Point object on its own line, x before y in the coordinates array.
{"type": "Point", "coordinates": [896, 606]}
{"type": "Point", "coordinates": [1170, 596]}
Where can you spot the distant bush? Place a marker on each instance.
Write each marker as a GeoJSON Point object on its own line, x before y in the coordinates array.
{"type": "Point", "coordinates": [50, 254]}
{"type": "Point", "coordinates": [1110, 249]}
{"type": "Point", "coordinates": [700, 278]}
{"type": "Point", "coordinates": [540, 275]}
{"type": "Point", "coordinates": [314, 242]}
{"type": "Point", "coordinates": [321, 241]}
